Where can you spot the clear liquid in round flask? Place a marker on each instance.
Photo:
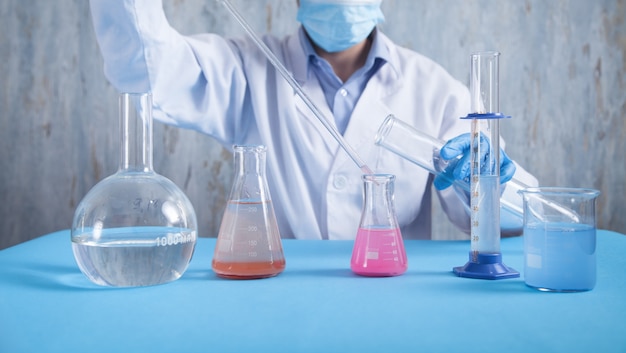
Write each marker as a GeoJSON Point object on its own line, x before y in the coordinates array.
{"type": "Point", "coordinates": [135, 227]}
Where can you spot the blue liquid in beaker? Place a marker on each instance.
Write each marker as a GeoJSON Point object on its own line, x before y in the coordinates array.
{"type": "Point", "coordinates": [560, 256]}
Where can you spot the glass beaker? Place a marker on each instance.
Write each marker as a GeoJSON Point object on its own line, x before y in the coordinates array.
{"type": "Point", "coordinates": [135, 227]}
{"type": "Point", "coordinates": [248, 243]}
{"type": "Point", "coordinates": [559, 250]}
{"type": "Point", "coordinates": [378, 247]}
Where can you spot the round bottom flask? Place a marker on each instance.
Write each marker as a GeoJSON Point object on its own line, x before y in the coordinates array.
{"type": "Point", "coordinates": [135, 227]}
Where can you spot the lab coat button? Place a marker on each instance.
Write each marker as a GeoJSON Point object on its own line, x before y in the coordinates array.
{"type": "Point", "coordinates": [340, 182]}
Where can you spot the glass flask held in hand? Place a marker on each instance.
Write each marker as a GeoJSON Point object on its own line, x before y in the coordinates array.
{"type": "Point", "coordinates": [378, 248]}
{"type": "Point", "coordinates": [135, 227]}
{"type": "Point", "coordinates": [248, 243]}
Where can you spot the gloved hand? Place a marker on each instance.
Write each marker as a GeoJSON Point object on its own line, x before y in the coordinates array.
{"type": "Point", "coordinates": [457, 152]}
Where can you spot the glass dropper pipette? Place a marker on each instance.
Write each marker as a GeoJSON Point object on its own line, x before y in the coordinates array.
{"type": "Point", "coordinates": [296, 87]}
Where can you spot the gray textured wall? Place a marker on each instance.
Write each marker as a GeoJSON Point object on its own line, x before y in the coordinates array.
{"type": "Point", "coordinates": [562, 78]}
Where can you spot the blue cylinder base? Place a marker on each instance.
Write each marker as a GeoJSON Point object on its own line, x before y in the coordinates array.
{"type": "Point", "coordinates": [486, 266]}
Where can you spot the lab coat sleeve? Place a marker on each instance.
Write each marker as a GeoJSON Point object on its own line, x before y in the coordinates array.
{"type": "Point", "coordinates": [455, 105]}
{"type": "Point", "coordinates": [511, 217]}
{"type": "Point", "coordinates": [192, 79]}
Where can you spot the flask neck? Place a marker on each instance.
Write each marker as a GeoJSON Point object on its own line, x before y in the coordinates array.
{"type": "Point", "coordinates": [135, 132]}
{"type": "Point", "coordinates": [249, 160]}
{"type": "Point", "coordinates": [378, 208]}
{"type": "Point", "coordinates": [249, 184]}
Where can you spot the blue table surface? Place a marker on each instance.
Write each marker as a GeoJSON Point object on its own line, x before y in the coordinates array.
{"type": "Point", "coordinates": [316, 305]}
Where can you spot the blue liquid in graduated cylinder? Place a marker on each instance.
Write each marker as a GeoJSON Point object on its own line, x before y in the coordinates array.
{"type": "Point", "coordinates": [560, 257]}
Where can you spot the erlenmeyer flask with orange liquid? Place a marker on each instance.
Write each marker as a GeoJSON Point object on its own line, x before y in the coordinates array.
{"type": "Point", "coordinates": [248, 243]}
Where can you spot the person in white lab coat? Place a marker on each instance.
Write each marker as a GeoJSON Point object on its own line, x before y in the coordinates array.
{"type": "Point", "coordinates": [227, 89]}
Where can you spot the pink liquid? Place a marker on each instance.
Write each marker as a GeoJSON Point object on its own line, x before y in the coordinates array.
{"type": "Point", "coordinates": [378, 253]}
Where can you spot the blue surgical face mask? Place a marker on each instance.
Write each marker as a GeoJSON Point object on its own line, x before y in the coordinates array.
{"type": "Point", "coordinates": [338, 25]}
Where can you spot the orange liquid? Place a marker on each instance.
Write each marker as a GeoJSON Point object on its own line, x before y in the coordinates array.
{"type": "Point", "coordinates": [248, 270]}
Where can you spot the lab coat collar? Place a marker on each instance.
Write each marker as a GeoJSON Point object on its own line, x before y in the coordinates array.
{"type": "Point", "coordinates": [372, 107]}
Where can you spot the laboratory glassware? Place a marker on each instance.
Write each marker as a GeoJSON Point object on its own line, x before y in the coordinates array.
{"type": "Point", "coordinates": [330, 127]}
{"type": "Point", "coordinates": [135, 227]}
{"type": "Point", "coordinates": [378, 248]}
{"type": "Point", "coordinates": [422, 149]}
{"type": "Point", "coordinates": [485, 258]}
{"type": "Point", "coordinates": [248, 243]}
{"type": "Point", "coordinates": [559, 252]}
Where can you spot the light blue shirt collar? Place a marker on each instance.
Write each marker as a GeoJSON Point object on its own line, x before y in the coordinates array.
{"type": "Point", "coordinates": [342, 97]}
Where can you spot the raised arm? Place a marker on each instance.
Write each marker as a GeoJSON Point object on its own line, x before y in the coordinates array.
{"type": "Point", "coordinates": [195, 81]}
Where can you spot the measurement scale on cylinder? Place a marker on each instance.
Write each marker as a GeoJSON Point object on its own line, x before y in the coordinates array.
{"type": "Point", "coordinates": [485, 260]}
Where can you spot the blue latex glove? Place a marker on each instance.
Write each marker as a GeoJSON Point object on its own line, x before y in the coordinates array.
{"type": "Point", "coordinates": [457, 152]}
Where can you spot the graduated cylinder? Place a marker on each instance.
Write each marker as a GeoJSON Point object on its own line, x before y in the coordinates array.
{"type": "Point", "coordinates": [485, 153]}
{"type": "Point", "coordinates": [485, 260]}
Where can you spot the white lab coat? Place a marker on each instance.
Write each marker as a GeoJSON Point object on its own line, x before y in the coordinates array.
{"type": "Point", "coordinates": [228, 90]}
